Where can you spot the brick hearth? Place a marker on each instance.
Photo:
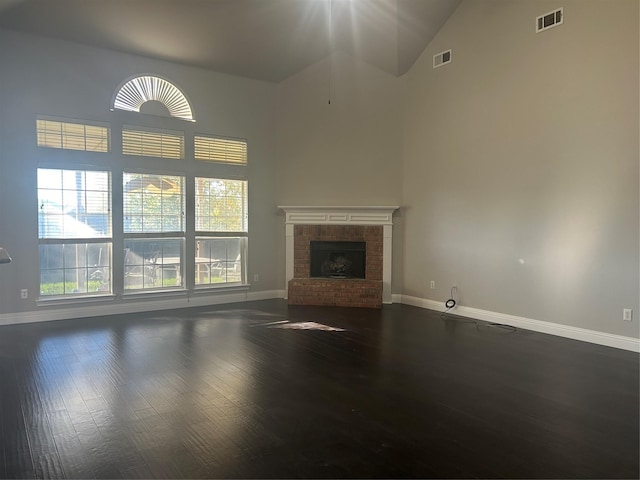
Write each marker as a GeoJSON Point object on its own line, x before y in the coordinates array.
{"type": "Point", "coordinates": [331, 292]}
{"type": "Point", "coordinates": [366, 292]}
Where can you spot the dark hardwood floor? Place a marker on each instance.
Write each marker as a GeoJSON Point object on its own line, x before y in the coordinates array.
{"type": "Point", "coordinates": [226, 392]}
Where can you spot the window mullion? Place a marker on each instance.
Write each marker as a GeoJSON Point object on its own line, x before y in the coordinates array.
{"type": "Point", "coordinates": [118, 238]}
{"type": "Point", "coordinates": [190, 225]}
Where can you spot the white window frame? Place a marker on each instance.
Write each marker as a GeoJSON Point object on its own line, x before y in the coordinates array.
{"type": "Point", "coordinates": [224, 266]}
{"type": "Point", "coordinates": [151, 265]}
{"type": "Point", "coordinates": [230, 161]}
{"type": "Point", "coordinates": [80, 240]}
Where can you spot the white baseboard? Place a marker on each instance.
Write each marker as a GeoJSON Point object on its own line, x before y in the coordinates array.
{"type": "Point", "coordinates": [575, 333]}
{"type": "Point", "coordinates": [135, 306]}
{"type": "Point", "coordinates": [148, 305]}
{"type": "Point", "coordinates": [265, 295]}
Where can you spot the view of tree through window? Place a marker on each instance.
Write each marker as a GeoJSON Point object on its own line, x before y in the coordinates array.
{"type": "Point", "coordinates": [153, 204]}
{"type": "Point", "coordinates": [221, 222]}
{"type": "Point", "coordinates": [221, 205]}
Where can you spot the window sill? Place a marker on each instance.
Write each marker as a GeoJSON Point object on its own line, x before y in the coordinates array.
{"type": "Point", "coordinates": [141, 294]}
{"type": "Point", "coordinates": [71, 300]}
{"type": "Point", "coordinates": [205, 289]}
{"type": "Point", "coordinates": [177, 292]}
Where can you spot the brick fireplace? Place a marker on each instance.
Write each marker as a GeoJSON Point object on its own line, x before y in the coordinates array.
{"type": "Point", "coordinates": [371, 226]}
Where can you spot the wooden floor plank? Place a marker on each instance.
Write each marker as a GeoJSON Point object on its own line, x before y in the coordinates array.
{"type": "Point", "coordinates": [223, 392]}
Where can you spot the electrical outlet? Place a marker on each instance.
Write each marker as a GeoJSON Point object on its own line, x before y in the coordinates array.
{"type": "Point", "coordinates": [256, 278]}
{"type": "Point", "coordinates": [627, 314]}
{"type": "Point", "coordinates": [432, 284]}
{"type": "Point", "coordinates": [24, 293]}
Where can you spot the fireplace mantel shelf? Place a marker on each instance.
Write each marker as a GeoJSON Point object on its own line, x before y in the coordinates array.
{"type": "Point", "coordinates": [339, 215]}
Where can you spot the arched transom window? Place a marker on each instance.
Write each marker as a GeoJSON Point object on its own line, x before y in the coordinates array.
{"type": "Point", "coordinates": [155, 95]}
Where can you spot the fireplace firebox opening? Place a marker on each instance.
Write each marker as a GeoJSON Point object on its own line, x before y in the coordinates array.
{"type": "Point", "coordinates": [337, 259]}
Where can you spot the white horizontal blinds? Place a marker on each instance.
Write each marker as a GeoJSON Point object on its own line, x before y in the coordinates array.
{"type": "Point", "coordinates": [72, 136]}
{"type": "Point", "coordinates": [221, 205]}
{"type": "Point", "coordinates": [133, 94]}
{"type": "Point", "coordinates": [153, 203]}
{"type": "Point", "coordinates": [74, 204]}
{"type": "Point", "coordinates": [220, 149]}
{"type": "Point", "coordinates": [151, 143]}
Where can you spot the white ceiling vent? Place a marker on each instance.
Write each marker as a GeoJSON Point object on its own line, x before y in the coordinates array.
{"type": "Point", "coordinates": [549, 20]}
{"type": "Point", "coordinates": [442, 58]}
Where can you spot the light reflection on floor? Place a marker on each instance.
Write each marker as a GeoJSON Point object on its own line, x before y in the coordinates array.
{"type": "Point", "coordinates": [307, 326]}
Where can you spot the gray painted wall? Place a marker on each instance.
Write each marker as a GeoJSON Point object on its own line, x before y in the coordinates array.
{"type": "Point", "coordinates": [521, 163]}
{"type": "Point", "coordinates": [344, 153]}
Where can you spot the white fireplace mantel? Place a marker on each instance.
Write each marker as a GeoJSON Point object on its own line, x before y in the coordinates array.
{"type": "Point", "coordinates": [347, 215]}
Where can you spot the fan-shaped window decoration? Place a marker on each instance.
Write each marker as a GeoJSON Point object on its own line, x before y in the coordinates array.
{"type": "Point", "coordinates": [139, 90]}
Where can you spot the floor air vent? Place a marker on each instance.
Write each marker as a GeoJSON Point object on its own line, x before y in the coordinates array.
{"type": "Point", "coordinates": [549, 20]}
{"type": "Point", "coordinates": [442, 58]}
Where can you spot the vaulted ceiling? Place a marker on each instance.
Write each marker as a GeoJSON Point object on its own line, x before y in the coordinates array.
{"type": "Point", "coordinates": [262, 39]}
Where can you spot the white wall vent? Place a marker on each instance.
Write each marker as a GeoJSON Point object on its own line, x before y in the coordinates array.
{"type": "Point", "coordinates": [549, 20]}
{"type": "Point", "coordinates": [442, 58]}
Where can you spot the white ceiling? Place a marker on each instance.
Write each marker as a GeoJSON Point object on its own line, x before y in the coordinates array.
{"type": "Point", "coordinates": [262, 39]}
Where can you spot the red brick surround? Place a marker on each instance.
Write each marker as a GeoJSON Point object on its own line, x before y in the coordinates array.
{"type": "Point", "coordinates": [367, 292]}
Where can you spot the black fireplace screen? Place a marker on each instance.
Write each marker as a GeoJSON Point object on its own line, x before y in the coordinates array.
{"type": "Point", "coordinates": [338, 259]}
